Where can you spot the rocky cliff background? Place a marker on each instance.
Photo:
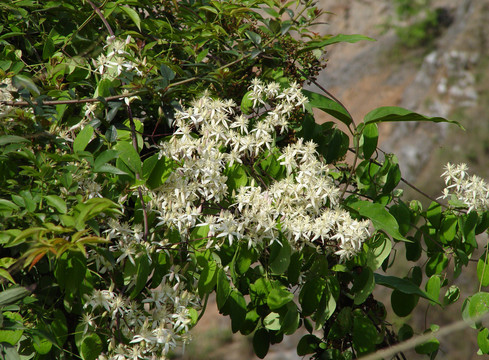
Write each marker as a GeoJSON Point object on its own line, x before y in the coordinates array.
{"type": "Point", "coordinates": [447, 76]}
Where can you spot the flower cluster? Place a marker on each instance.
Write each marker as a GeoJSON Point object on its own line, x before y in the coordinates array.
{"type": "Point", "coordinates": [213, 141]}
{"type": "Point", "coordinates": [154, 327]}
{"type": "Point", "coordinates": [473, 191]}
{"type": "Point", "coordinates": [213, 144]}
{"type": "Point", "coordinates": [117, 59]}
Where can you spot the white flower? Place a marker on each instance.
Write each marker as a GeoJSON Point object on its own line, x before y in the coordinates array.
{"type": "Point", "coordinates": [470, 190]}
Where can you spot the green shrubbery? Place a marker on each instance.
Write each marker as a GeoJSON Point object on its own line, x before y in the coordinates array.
{"type": "Point", "coordinates": [418, 23]}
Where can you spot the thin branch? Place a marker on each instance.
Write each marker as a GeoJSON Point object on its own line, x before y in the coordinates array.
{"type": "Point", "coordinates": [335, 100]}
{"type": "Point", "coordinates": [405, 181]}
{"type": "Point", "coordinates": [102, 17]}
{"type": "Point", "coordinates": [422, 192]}
{"type": "Point", "coordinates": [418, 340]}
{"type": "Point", "coordinates": [72, 101]}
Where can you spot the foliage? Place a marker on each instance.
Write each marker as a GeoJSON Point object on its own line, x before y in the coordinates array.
{"type": "Point", "coordinates": [155, 152]}
{"type": "Point", "coordinates": [417, 23]}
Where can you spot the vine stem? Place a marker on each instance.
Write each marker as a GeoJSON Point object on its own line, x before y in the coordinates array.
{"type": "Point", "coordinates": [102, 17]}
{"type": "Point", "coordinates": [420, 339]}
{"type": "Point", "coordinates": [71, 101]}
{"type": "Point", "coordinates": [406, 181]}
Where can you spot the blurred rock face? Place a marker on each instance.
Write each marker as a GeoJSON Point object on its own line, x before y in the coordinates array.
{"type": "Point", "coordinates": [434, 80]}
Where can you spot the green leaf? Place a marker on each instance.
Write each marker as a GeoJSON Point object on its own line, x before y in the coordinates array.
{"type": "Point", "coordinates": [149, 165]}
{"type": "Point", "coordinates": [133, 15]}
{"type": "Point", "coordinates": [403, 304]}
{"type": "Point", "coordinates": [403, 216]}
{"type": "Point", "coordinates": [353, 38]}
{"type": "Point", "coordinates": [326, 307]}
{"type": "Point", "coordinates": [271, 165]}
{"type": "Point", "coordinates": [251, 321]}
{"type": "Point", "coordinates": [24, 82]}
{"type": "Point", "coordinates": [70, 270]}
{"type": "Point", "coordinates": [244, 258]}
{"type": "Point", "coordinates": [483, 270]}
{"type": "Point", "coordinates": [448, 228]}
{"type": "Point", "coordinates": [10, 139]}
{"type": "Point", "coordinates": [259, 290]}
{"type": "Point", "coordinates": [363, 286]}
{"type": "Point", "coordinates": [48, 48]}
{"type": "Point", "coordinates": [11, 336]}
{"type": "Point", "coordinates": [280, 257]}
{"type": "Point", "coordinates": [428, 347]}
{"type": "Point", "coordinates": [394, 113]}
{"type": "Point", "coordinates": [236, 177]}
{"type": "Point", "coordinates": [403, 285]}
{"type": "Point", "coordinates": [254, 37]}
{"type": "Point", "coordinates": [59, 327]}
{"type": "Point", "coordinates": [223, 289]}
{"type": "Point", "coordinates": [290, 321]}
{"type": "Point", "coordinates": [41, 344]}
{"type": "Point", "coordinates": [93, 207]}
{"type": "Point", "coordinates": [103, 88]}
{"type": "Point", "coordinates": [378, 252]}
{"type": "Point", "coordinates": [13, 295]}
{"type": "Point", "coordinates": [237, 310]}
{"type": "Point", "coordinates": [483, 340]}
{"type": "Point", "coordinates": [328, 105]}
{"type": "Point", "coordinates": [478, 304]}
{"type": "Point", "coordinates": [433, 287]}
{"type": "Point", "coordinates": [210, 9]}
{"type": "Point", "coordinates": [129, 155]}
{"type": "Point", "coordinates": [370, 136]}
{"type": "Point", "coordinates": [271, 12]}
{"type": "Point", "coordinates": [7, 205]}
{"type": "Point", "coordinates": [405, 332]}
{"type": "Point", "coordinates": [261, 342]}
{"type": "Point", "coordinates": [57, 202]}
{"type": "Point", "coordinates": [161, 171]}
{"type": "Point", "coordinates": [167, 73]}
{"type": "Point", "coordinates": [109, 169]}
{"type": "Point", "coordinates": [272, 321]}
{"type": "Point", "coordinates": [143, 272]}
{"type": "Point", "coordinates": [364, 335]}
{"type": "Point", "coordinates": [91, 347]}
{"type": "Point", "coordinates": [208, 278]}
{"type": "Point", "coordinates": [104, 158]}
{"type": "Point", "coordinates": [294, 270]}
{"type": "Point", "coordinates": [308, 344]}
{"type": "Point", "coordinates": [82, 139]}
{"type": "Point", "coordinates": [452, 295]}
{"type": "Point", "coordinates": [436, 264]}
{"type": "Point", "coordinates": [337, 145]}
{"type": "Point", "coordinates": [5, 274]}
{"type": "Point", "coordinates": [311, 294]}
{"type": "Point", "coordinates": [278, 297]}
{"type": "Point", "coordinates": [469, 226]}
{"type": "Point", "coordinates": [381, 219]}
{"type": "Point", "coordinates": [413, 249]}
{"type": "Point", "coordinates": [247, 103]}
